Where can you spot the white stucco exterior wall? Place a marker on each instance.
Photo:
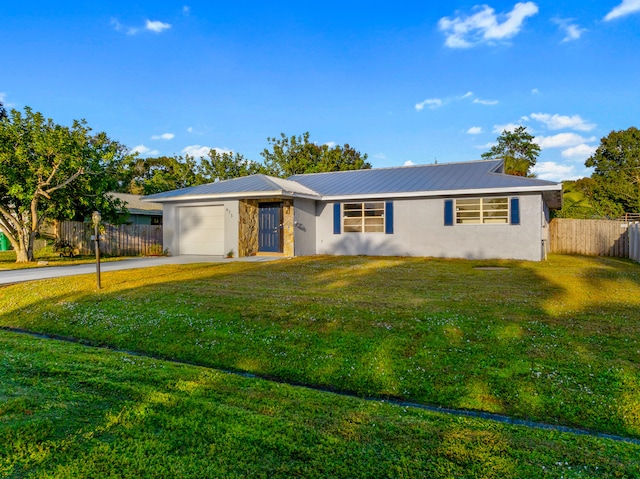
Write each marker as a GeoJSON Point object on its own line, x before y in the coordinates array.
{"type": "Point", "coordinates": [231, 226]}
{"type": "Point", "coordinates": [171, 218]}
{"type": "Point", "coordinates": [170, 228]}
{"type": "Point", "coordinates": [419, 230]}
{"type": "Point", "coordinates": [304, 227]}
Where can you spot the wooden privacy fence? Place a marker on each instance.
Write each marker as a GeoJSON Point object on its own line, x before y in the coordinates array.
{"type": "Point", "coordinates": [634, 241]}
{"type": "Point", "coordinates": [122, 240]}
{"type": "Point", "coordinates": [590, 237]}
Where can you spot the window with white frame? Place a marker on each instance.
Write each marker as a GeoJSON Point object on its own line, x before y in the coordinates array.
{"type": "Point", "coordinates": [366, 217]}
{"type": "Point", "coordinates": [482, 211]}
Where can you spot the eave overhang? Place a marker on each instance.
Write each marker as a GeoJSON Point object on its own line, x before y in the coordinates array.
{"type": "Point", "coordinates": [552, 194]}
{"type": "Point", "coordinates": [245, 195]}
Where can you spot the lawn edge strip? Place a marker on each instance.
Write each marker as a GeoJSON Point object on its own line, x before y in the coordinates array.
{"type": "Point", "coordinates": [396, 402]}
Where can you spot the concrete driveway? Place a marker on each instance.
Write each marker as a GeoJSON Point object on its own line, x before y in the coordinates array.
{"type": "Point", "coordinates": [46, 272]}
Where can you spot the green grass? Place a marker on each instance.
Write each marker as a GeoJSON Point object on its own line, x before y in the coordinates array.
{"type": "Point", "coordinates": [556, 341]}
{"type": "Point", "coordinates": [68, 411]}
{"type": "Point", "coordinates": [8, 259]}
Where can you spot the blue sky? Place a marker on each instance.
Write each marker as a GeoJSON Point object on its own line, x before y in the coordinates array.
{"type": "Point", "coordinates": [404, 82]}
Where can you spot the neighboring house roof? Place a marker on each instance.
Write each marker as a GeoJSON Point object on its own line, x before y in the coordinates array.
{"type": "Point", "coordinates": [244, 186]}
{"type": "Point", "coordinates": [136, 206]}
{"type": "Point", "coordinates": [468, 178]}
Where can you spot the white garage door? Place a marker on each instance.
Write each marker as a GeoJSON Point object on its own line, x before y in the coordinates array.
{"type": "Point", "coordinates": [202, 230]}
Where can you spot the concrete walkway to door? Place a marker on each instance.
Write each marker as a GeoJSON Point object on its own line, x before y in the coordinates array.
{"type": "Point", "coordinates": [46, 272]}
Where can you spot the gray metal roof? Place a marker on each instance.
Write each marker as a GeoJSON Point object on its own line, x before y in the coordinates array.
{"type": "Point", "coordinates": [458, 178]}
{"type": "Point", "coordinates": [474, 175]}
{"type": "Point", "coordinates": [254, 184]}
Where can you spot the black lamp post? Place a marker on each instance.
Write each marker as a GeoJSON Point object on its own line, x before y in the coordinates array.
{"type": "Point", "coordinates": [96, 217]}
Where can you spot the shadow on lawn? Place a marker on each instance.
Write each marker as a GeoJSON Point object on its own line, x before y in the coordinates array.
{"type": "Point", "coordinates": [100, 413]}
{"type": "Point", "coordinates": [432, 331]}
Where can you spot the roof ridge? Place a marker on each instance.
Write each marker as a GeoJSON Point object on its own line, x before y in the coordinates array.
{"type": "Point", "coordinates": [275, 179]}
{"type": "Point", "coordinates": [399, 167]}
{"type": "Point", "coordinates": [287, 180]}
{"type": "Point", "coordinates": [528, 178]}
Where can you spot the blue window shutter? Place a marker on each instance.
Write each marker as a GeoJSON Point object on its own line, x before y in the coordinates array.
{"type": "Point", "coordinates": [388, 218]}
{"type": "Point", "coordinates": [515, 211]}
{"type": "Point", "coordinates": [337, 219]}
{"type": "Point", "coordinates": [448, 212]}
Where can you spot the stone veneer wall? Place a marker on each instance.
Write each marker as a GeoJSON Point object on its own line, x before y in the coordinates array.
{"type": "Point", "coordinates": [287, 227]}
{"type": "Point", "coordinates": [248, 226]}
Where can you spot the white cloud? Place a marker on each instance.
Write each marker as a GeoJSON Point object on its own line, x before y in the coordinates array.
{"type": "Point", "coordinates": [474, 130]}
{"type": "Point", "coordinates": [409, 163]}
{"type": "Point", "coordinates": [432, 103]}
{"type": "Point", "coordinates": [164, 136]}
{"type": "Point", "coordinates": [571, 30]}
{"type": "Point", "coordinates": [186, 10]}
{"type": "Point", "coordinates": [508, 127]}
{"type": "Point", "coordinates": [119, 27]}
{"type": "Point", "coordinates": [153, 26]}
{"type": "Point", "coordinates": [485, 102]}
{"type": "Point", "coordinates": [157, 26]}
{"type": "Point", "coordinates": [190, 129]}
{"type": "Point", "coordinates": [143, 150]}
{"type": "Point", "coordinates": [627, 7]}
{"type": "Point", "coordinates": [562, 140]}
{"type": "Point", "coordinates": [330, 144]}
{"type": "Point", "coordinates": [486, 146]}
{"type": "Point", "coordinates": [197, 151]}
{"type": "Point", "coordinates": [552, 171]}
{"type": "Point", "coordinates": [484, 25]}
{"type": "Point", "coordinates": [380, 156]}
{"type": "Point", "coordinates": [222, 150]}
{"type": "Point", "coordinates": [580, 152]}
{"type": "Point", "coordinates": [561, 122]}
{"type": "Point", "coordinates": [535, 91]}
{"type": "Point", "coordinates": [511, 26]}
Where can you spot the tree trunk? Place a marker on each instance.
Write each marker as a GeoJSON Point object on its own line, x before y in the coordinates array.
{"type": "Point", "coordinates": [24, 249]}
{"type": "Point", "coordinates": [22, 256]}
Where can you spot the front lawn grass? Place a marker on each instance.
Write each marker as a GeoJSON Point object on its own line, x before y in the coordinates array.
{"type": "Point", "coordinates": [48, 255]}
{"type": "Point", "coordinates": [556, 341]}
{"type": "Point", "coordinates": [69, 411]}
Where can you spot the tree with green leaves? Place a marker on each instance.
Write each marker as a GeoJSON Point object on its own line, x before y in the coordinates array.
{"type": "Point", "coordinates": [147, 176]}
{"type": "Point", "coordinates": [226, 165]}
{"type": "Point", "coordinates": [616, 178]}
{"type": "Point", "coordinates": [287, 156]}
{"type": "Point", "coordinates": [49, 171]}
{"type": "Point", "coordinates": [518, 151]}
{"type": "Point", "coordinates": [576, 201]}
{"type": "Point", "coordinates": [296, 155]}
